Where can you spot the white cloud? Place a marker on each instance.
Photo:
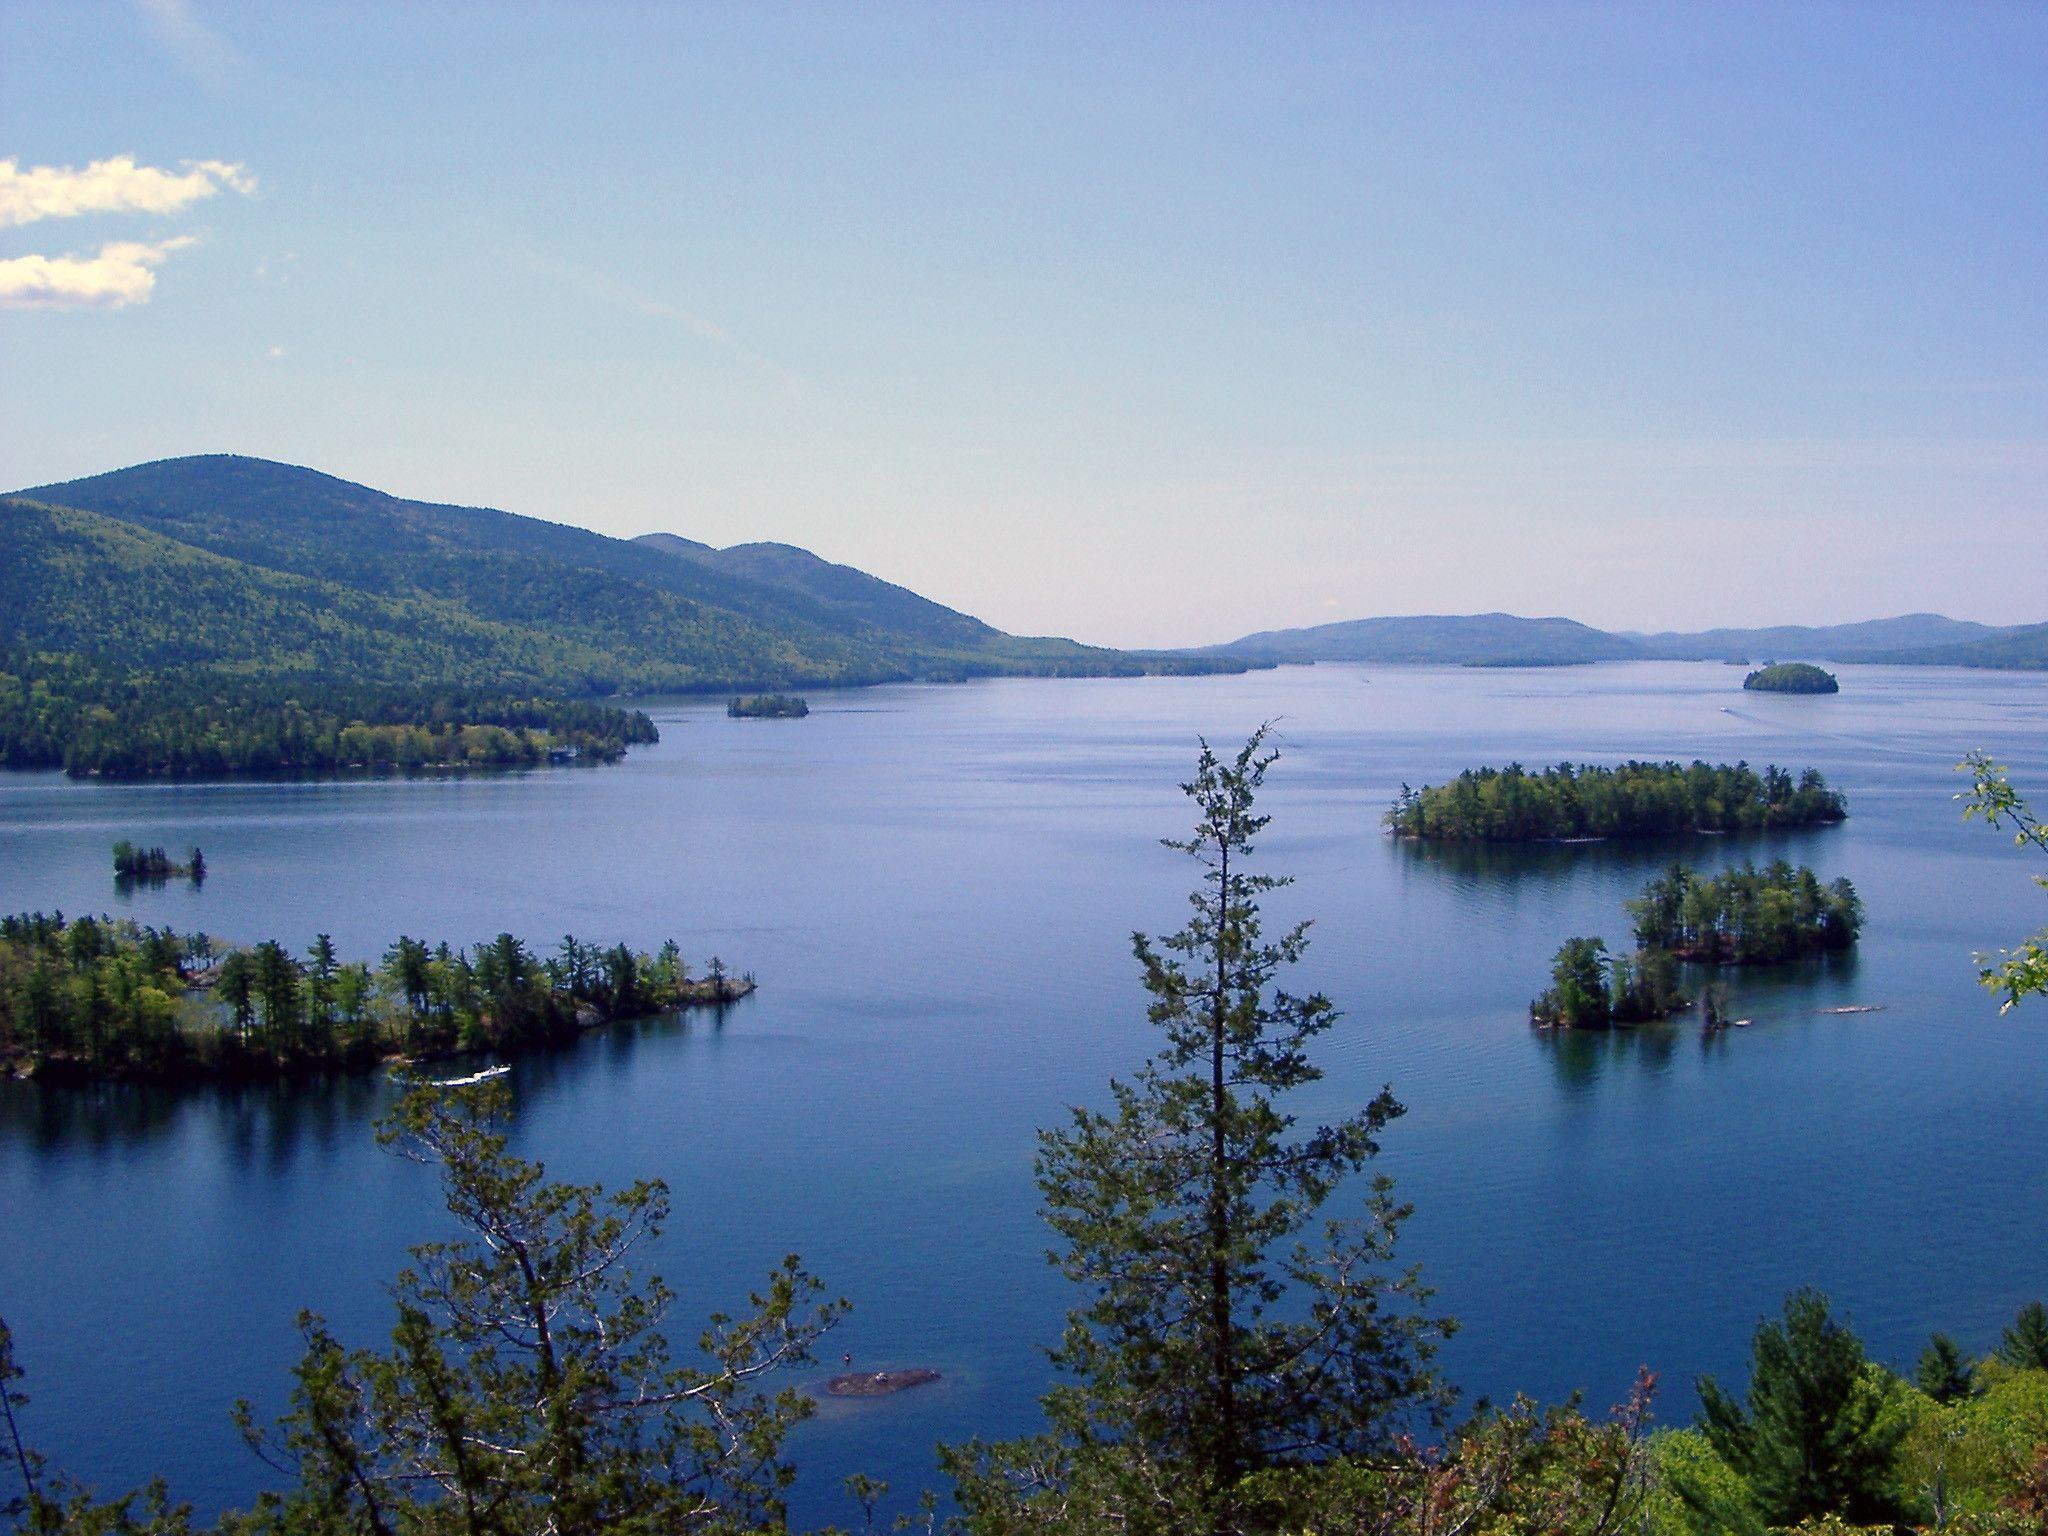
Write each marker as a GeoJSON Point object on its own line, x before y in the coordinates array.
{"type": "Point", "coordinates": [117, 185]}
{"type": "Point", "coordinates": [120, 275]}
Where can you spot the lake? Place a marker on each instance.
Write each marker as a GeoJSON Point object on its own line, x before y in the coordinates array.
{"type": "Point", "coordinates": [936, 887]}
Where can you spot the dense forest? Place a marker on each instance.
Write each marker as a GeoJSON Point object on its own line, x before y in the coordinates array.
{"type": "Point", "coordinates": [1746, 916]}
{"type": "Point", "coordinates": [1743, 916]}
{"type": "Point", "coordinates": [1791, 677]}
{"type": "Point", "coordinates": [94, 997]}
{"type": "Point", "coordinates": [1512, 804]}
{"type": "Point", "coordinates": [92, 717]}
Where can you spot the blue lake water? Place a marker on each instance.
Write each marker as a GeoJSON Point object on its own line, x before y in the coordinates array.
{"type": "Point", "coordinates": [936, 887]}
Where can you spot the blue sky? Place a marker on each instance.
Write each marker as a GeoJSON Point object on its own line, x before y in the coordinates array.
{"type": "Point", "coordinates": [1150, 325]}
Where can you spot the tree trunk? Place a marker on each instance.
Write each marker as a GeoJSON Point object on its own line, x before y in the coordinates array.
{"type": "Point", "coordinates": [1223, 1365]}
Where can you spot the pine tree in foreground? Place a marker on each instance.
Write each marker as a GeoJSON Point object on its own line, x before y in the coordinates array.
{"type": "Point", "coordinates": [1815, 1437]}
{"type": "Point", "coordinates": [529, 1387]}
{"type": "Point", "coordinates": [1230, 1328]}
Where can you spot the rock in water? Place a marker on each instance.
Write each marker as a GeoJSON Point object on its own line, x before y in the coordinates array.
{"type": "Point", "coordinates": [879, 1383]}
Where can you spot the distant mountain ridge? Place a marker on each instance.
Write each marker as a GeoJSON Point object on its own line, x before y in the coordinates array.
{"type": "Point", "coordinates": [1482, 637]}
{"type": "Point", "coordinates": [1867, 640]}
{"type": "Point", "coordinates": [1502, 639]}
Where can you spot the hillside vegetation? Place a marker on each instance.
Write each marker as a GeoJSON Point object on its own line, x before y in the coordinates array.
{"type": "Point", "coordinates": [219, 614]}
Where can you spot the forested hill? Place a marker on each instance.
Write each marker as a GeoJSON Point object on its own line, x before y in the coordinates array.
{"type": "Point", "coordinates": [2023, 647]}
{"type": "Point", "coordinates": [259, 584]}
{"type": "Point", "coordinates": [1442, 638]}
{"type": "Point", "coordinates": [852, 596]}
{"type": "Point", "coordinates": [624, 613]}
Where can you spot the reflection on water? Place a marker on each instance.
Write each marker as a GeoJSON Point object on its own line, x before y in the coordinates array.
{"type": "Point", "coordinates": [1535, 867]}
{"type": "Point", "coordinates": [936, 888]}
{"type": "Point", "coordinates": [1580, 1056]}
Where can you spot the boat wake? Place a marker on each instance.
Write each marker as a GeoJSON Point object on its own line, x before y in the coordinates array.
{"type": "Point", "coordinates": [475, 1077]}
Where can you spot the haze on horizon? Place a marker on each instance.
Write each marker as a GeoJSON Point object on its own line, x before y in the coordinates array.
{"type": "Point", "coordinates": [1147, 325]}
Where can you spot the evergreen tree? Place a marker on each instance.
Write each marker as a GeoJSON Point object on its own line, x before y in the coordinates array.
{"type": "Point", "coordinates": [1578, 994]}
{"type": "Point", "coordinates": [1943, 1374]}
{"type": "Point", "coordinates": [237, 988]}
{"type": "Point", "coordinates": [1814, 1438]}
{"type": "Point", "coordinates": [1229, 1329]}
{"type": "Point", "coordinates": [321, 974]}
{"type": "Point", "coordinates": [2025, 1343]}
{"type": "Point", "coordinates": [27, 1464]}
{"type": "Point", "coordinates": [529, 1386]}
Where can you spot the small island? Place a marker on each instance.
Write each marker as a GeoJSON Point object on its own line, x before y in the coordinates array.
{"type": "Point", "coordinates": [1744, 916]}
{"type": "Point", "coordinates": [1580, 802]}
{"type": "Point", "coordinates": [1590, 989]}
{"type": "Point", "coordinates": [91, 998]}
{"type": "Point", "coordinates": [768, 706]}
{"type": "Point", "coordinates": [1791, 677]}
{"type": "Point", "coordinates": [153, 866]}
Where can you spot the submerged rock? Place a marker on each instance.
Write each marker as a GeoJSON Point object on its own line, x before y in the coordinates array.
{"type": "Point", "coordinates": [879, 1383]}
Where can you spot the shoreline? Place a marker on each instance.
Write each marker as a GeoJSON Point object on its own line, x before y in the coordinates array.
{"type": "Point", "coordinates": [69, 1072]}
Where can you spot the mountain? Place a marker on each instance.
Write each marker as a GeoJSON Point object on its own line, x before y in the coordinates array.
{"type": "Point", "coordinates": [1504, 639]}
{"type": "Point", "coordinates": [852, 595]}
{"type": "Point", "coordinates": [84, 583]}
{"type": "Point", "coordinates": [1476, 638]}
{"type": "Point", "coordinates": [173, 596]}
{"type": "Point", "coordinates": [1869, 640]}
{"type": "Point", "coordinates": [546, 605]}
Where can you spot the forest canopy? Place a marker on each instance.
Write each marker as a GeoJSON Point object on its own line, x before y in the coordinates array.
{"type": "Point", "coordinates": [98, 718]}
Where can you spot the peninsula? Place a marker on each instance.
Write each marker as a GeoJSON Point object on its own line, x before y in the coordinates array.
{"type": "Point", "coordinates": [98, 998]}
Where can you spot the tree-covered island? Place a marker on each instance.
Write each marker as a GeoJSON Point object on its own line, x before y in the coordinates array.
{"type": "Point", "coordinates": [1744, 916]}
{"type": "Point", "coordinates": [767, 706]}
{"type": "Point", "coordinates": [1583, 800]}
{"type": "Point", "coordinates": [154, 866]}
{"type": "Point", "coordinates": [95, 998]}
{"type": "Point", "coordinates": [1791, 677]}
